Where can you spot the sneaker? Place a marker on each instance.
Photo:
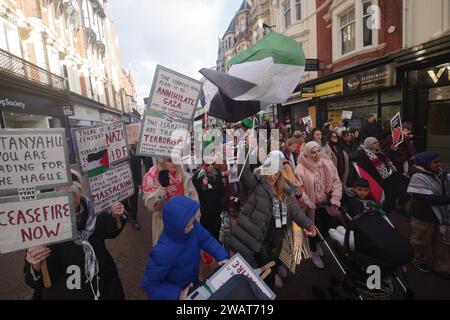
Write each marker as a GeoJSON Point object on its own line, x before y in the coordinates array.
{"type": "Point", "coordinates": [422, 268]}
{"type": "Point", "coordinates": [317, 260]}
{"type": "Point", "coordinates": [136, 226]}
{"type": "Point", "coordinates": [278, 281]}
{"type": "Point", "coordinates": [282, 272]}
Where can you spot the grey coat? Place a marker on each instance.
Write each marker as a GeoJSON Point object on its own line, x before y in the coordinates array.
{"type": "Point", "coordinates": [249, 234]}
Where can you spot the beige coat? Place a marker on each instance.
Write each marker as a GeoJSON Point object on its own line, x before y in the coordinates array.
{"type": "Point", "coordinates": [154, 201]}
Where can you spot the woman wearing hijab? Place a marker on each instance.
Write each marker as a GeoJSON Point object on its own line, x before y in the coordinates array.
{"type": "Point", "coordinates": [319, 178]}
{"type": "Point", "coordinates": [161, 183]}
{"type": "Point", "coordinates": [87, 255]}
{"type": "Point", "coordinates": [430, 211]}
{"type": "Point", "coordinates": [381, 168]}
{"type": "Point", "coordinates": [337, 155]}
{"type": "Point", "coordinates": [268, 212]}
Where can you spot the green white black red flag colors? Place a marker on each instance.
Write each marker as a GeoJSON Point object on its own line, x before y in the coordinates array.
{"type": "Point", "coordinates": [265, 74]}
{"type": "Point", "coordinates": [98, 163]}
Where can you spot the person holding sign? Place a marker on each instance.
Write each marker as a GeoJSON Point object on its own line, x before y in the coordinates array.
{"type": "Point", "coordinates": [81, 269]}
{"type": "Point", "coordinates": [161, 183]}
{"type": "Point", "coordinates": [174, 263]}
{"type": "Point", "coordinates": [265, 217]}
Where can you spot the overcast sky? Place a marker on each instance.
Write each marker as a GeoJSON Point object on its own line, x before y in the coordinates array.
{"type": "Point", "coordinates": [179, 34]}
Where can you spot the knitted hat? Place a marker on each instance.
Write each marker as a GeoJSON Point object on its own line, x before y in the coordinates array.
{"type": "Point", "coordinates": [424, 159]}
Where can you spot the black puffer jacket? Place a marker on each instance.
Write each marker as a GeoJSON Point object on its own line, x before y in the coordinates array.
{"type": "Point", "coordinates": [248, 236]}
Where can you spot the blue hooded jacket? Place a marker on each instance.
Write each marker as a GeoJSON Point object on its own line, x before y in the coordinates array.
{"type": "Point", "coordinates": [174, 262]}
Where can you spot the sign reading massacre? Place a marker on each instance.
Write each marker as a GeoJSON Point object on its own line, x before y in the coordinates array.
{"type": "Point", "coordinates": [93, 140]}
{"type": "Point", "coordinates": [33, 158]}
{"type": "Point", "coordinates": [26, 224]}
{"type": "Point", "coordinates": [114, 185]}
{"type": "Point", "coordinates": [380, 77]}
{"type": "Point", "coordinates": [171, 106]}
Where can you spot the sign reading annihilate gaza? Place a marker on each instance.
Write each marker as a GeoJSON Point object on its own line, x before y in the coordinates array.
{"type": "Point", "coordinates": [171, 107]}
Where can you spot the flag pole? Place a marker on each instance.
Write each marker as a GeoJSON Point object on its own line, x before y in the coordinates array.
{"type": "Point", "coordinates": [248, 153]}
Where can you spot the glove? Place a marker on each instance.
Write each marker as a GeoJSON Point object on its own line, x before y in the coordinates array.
{"type": "Point", "coordinates": [164, 178]}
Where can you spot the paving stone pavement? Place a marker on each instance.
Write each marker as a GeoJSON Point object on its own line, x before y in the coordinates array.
{"type": "Point", "coordinates": [130, 252]}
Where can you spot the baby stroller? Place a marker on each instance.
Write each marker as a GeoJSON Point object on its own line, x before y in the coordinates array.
{"type": "Point", "coordinates": [371, 244]}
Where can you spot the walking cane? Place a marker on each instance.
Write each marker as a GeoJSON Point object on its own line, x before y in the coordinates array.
{"type": "Point", "coordinates": [45, 275]}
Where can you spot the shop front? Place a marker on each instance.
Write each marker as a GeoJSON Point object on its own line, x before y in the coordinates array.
{"type": "Point", "coordinates": [20, 109]}
{"type": "Point", "coordinates": [84, 117]}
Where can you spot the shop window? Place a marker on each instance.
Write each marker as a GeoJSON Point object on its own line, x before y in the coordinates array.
{"type": "Point", "coordinates": [287, 13]}
{"type": "Point", "coordinates": [29, 121]}
{"type": "Point", "coordinates": [348, 31]}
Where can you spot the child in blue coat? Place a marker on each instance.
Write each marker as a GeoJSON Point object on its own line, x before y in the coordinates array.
{"type": "Point", "coordinates": [173, 265]}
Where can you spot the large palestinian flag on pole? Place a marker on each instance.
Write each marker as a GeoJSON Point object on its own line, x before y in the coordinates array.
{"type": "Point", "coordinates": [265, 74]}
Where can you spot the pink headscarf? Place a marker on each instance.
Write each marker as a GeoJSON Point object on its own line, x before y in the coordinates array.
{"type": "Point", "coordinates": [151, 182]}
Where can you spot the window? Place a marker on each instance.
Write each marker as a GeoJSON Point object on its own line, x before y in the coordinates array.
{"type": "Point", "coordinates": [287, 13]}
{"type": "Point", "coordinates": [243, 26]}
{"type": "Point", "coordinates": [298, 9]}
{"type": "Point", "coordinates": [367, 20]}
{"type": "Point", "coordinates": [9, 39]}
{"type": "Point", "coordinates": [347, 30]}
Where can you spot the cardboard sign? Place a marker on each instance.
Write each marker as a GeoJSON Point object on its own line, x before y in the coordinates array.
{"type": "Point", "coordinates": [91, 140]}
{"type": "Point", "coordinates": [33, 159]}
{"type": "Point", "coordinates": [175, 94]}
{"type": "Point", "coordinates": [308, 123]}
{"type": "Point", "coordinates": [347, 115]}
{"type": "Point", "coordinates": [133, 131]}
{"type": "Point", "coordinates": [233, 170]}
{"type": "Point", "coordinates": [24, 224]}
{"type": "Point", "coordinates": [397, 130]}
{"type": "Point", "coordinates": [237, 265]}
{"type": "Point", "coordinates": [158, 138]}
{"type": "Point", "coordinates": [115, 185]}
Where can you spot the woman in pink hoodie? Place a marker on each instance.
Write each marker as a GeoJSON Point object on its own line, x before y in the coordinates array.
{"type": "Point", "coordinates": [319, 178]}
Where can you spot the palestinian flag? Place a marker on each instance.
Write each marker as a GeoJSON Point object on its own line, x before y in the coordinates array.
{"type": "Point", "coordinates": [265, 74]}
{"type": "Point", "coordinates": [98, 163]}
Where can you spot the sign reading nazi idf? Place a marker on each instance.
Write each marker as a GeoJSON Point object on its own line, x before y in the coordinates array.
{"type": "Point", "coordinates": [112, 186]}
{"type": "Point", "coordinates": [171, 107]}
{"type": "Point", "coordinates": [92, 142]}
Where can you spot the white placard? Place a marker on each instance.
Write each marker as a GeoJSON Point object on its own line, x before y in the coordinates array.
{"type": "Point", "coordinates": [133, 131]}
{"type": "Point", "coordinates": [347, 115]}
{"type": "Point", "coordinates": [26, 224]}
{"type": "Point", "coordinates": [115, 185]}
{"type": "Point", "coordinates": [233, 170]}
{"type": "Point", "coordinates": [33, 158]}
{"type": "Point", "coordinates": [237, 265]}
{"type": "Point", "coordinates": [158, 138]}
{"type": "Point", "coordinates": [174, 94]}
{"type": "Point", "coordinates": [95, 139]}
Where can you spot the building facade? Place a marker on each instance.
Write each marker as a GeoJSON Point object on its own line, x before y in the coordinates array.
{"type": "Point", "coordinates": [60, 59]}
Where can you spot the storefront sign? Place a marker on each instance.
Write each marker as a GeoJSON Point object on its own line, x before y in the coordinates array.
{"type": "Point", "coordinates": [308, 92]}
{"type": "Point", "coordinates": [397, 130]}
{"type": "Point", "coordinates": [115, 185]}
{"type": "Point", "coordinates": [430, 77]}
{"type": "Point", "coordinates": [376, 78]}
{"type": "Point", "coordinates": [17, 101]}
{"type": "Point", "coordinates": [92, 140]}
{"type": "Point", "coordinates": [69, 111]}
{"type": "Point", "coordinates": [293, 98]}
{"type": "Point", "coordinates": [33, 158]}
{"type": "Point", "coordinates": [331, 88]}
{"type": "Point", "coordinates": [24, 224]}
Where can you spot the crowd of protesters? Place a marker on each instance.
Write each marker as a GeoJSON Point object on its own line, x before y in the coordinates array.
{"type": "Point", "coordinates": [198, 215]}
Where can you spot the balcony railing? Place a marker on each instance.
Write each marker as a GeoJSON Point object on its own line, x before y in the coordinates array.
{"type": "Point", "coordinates": [23, 69]}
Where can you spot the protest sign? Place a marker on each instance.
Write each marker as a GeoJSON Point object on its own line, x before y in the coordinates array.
{"type": "Point", "coordinates": [347, 115]}
{"type": "Point", "coordinates": [158, 138]}
{"type": "Point", "coordinates": [24, 224]}
{"type": "Point", "coordinates": [233, 170]}
{"type": "Point", "coordinates": [95, 140]}
{"type": "Point", "coordinates": [33, 159]}
{"type": "Point", "coordinates": [237, 265]}
{"type": "Point", "coordinates": [308, 123]}
{"type": "Point", "coordinates": [114, 185]}
{"type": "Point", "coordinates": [175, 94]}
{"type": "Point", "coordinates": [397, 130]}
{"type": "Point", "coordinates": [133, 133]}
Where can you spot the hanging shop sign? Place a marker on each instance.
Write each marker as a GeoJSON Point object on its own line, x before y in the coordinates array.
{"type": "Point", "coordinates": [372, 79]}
{"type": "Point", "coordinates": [311, 65]}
